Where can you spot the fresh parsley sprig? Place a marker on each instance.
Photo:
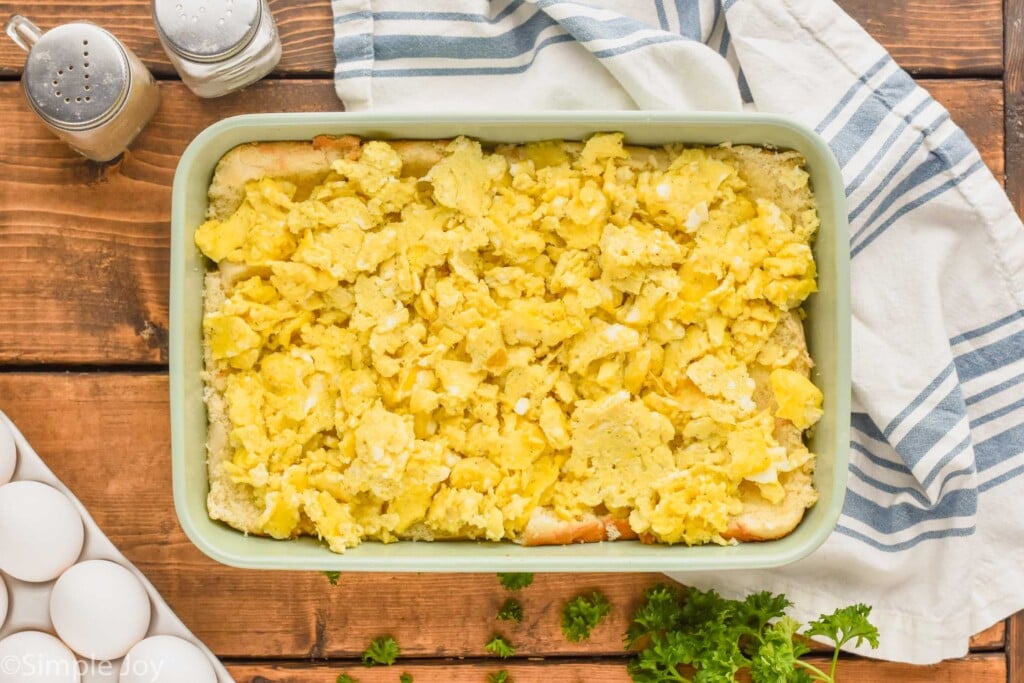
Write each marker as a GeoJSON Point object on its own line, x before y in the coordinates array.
{"type": "Point", "coordinates": [678, 630]}
{"type": "Point", "coordinates": [500, 647]}
{"type": "Point", "coordinates": [511, 610]}
{"type": "Point", "coordinates": [382, 650]}
{"type": "Point", "coordinates": [582, 614]}
{"type": "Point", "coordinates": [515, 581]}
{"type": "Point", "coordinates": [843, 626]}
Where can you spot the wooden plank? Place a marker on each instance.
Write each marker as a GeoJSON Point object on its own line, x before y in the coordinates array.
{"type": "Point", "coordinates": [935, 37]}
{"type": "Point", "coordinates": [974, 669]}
{"type": "Point", "coordinates": [106, 436]}
{"type": "Point", "coordinates": [992, 638]}
{"type": "Point", "coordinates": [977, 106]}
{"type": "Point", "coordinates": [306, 29]}
{"type": "Point", "coordinates": [84, 245]}
{"type": "Point", "coordinates": [1013, 83]}
{"type": "Point", "coordinates": [948, 37]}
{"type": "Point", "coordinates": [1015, 648]}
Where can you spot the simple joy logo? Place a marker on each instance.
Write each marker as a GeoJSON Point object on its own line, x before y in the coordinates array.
{"type": "Point", "coordinates": [37, 666]}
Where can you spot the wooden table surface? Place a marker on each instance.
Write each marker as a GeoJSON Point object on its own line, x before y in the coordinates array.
{"type": "Point", "coordinates": [83, 361]}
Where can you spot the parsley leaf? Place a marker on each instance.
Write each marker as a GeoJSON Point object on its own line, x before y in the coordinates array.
{"type": "Point", "coordinates": [499, 677]}
{"type": "Point", "coordinates": [777, 653]}
{"type": "Point", "coordinates": [681, 632]}
{"type": "Point", "coordinates": [511, 610]}
{"type": "Point", "coordinates": [843, 626]}
{"type": "Point", "coordinates": [405, 678]}
{"type": "Point", "coordinates": [514, 581]}
{"type": "Point", "coordinates": [500, 647]}
{"type": "Point", "coordinates": [760, 608]}
{"type": "Point", "coordinates": [659, 612]}
{"type": "Point", "coordinates": [345, 678]}
{"type": "Point", "coordinates": [582, 614]}
{"type": "Point", "coordinates": [333, 577]}
{"type": "Point", "coordinates": [382, 650]}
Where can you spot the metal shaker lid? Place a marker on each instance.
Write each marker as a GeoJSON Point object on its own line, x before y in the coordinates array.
{"type": "Point", "coordinates": [77, 76]}
{"type": "Point", "coordinates": [207, 30]}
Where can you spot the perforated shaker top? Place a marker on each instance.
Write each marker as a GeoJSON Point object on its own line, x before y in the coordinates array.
{"type": "Point", "coordinates": [207, 30]}
{"type": "Point", "coordinates": [77, 75]}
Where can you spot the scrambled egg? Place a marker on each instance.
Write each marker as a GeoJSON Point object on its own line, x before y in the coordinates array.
{"type": "Point", "coordinates": [548, 326]}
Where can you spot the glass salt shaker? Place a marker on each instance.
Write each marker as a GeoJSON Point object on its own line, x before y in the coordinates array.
{"type": "Point", "coordinates": [218, 46]}
{"type": "Point", "coordinates": [90, 90]}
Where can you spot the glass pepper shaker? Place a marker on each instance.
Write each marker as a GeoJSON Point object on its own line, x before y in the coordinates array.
{"type": "Point", "coordinates": [218, 46]}
{"type": "Point", "coordinates": [90, 90]}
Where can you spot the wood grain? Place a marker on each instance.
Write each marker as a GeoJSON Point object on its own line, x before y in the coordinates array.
{"type": "Point", "coordinates": [306, 29]}
{"type": "Point", "coordinates": [106, 436]}
{"type": "Point", "coordinates": [974, 669]}
{"type": "Point", "coordinates": [992, 638]}
{"type": "Point", "coordinates": [977, 106]}
{"type": "Point", "coordinates": [928, 37]}
{"type": "Point", "coordinates": [948, 37]}
{"type": "Point", "coordinates": [84, 245]}
{"type": "Point", "coordinates": [1013, 83]}
{"type": "Point", "coordinates": [1015, 648]}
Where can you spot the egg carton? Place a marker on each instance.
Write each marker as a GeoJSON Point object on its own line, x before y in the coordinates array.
{"type": "Point", "coordinates": [29, 603]}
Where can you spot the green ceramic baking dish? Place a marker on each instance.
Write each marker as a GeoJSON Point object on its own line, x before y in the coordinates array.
{"type": "Point", "coordinates": [828, 332]}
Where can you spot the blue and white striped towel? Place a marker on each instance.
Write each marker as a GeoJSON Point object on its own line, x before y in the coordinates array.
{"type": "Point", "coordinates": [932, 533]}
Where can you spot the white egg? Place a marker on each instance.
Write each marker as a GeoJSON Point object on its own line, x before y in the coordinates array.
{"type": "Point", "coordinates": [166, 659]}
{"type": "Point", "coordinates": [4, 602]}
{"type": "Point", "coordinates": [100, 609]}
{"type": "Point", "coordinates": [8, 453]}
{"type": "Point", "coordinates": [41, 532]}
{"type": "Point", "coordinates": [36, 657]}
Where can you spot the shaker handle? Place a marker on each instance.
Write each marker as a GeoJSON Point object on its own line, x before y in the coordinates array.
{"type": "Point", "coordinates": [23, 32]}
